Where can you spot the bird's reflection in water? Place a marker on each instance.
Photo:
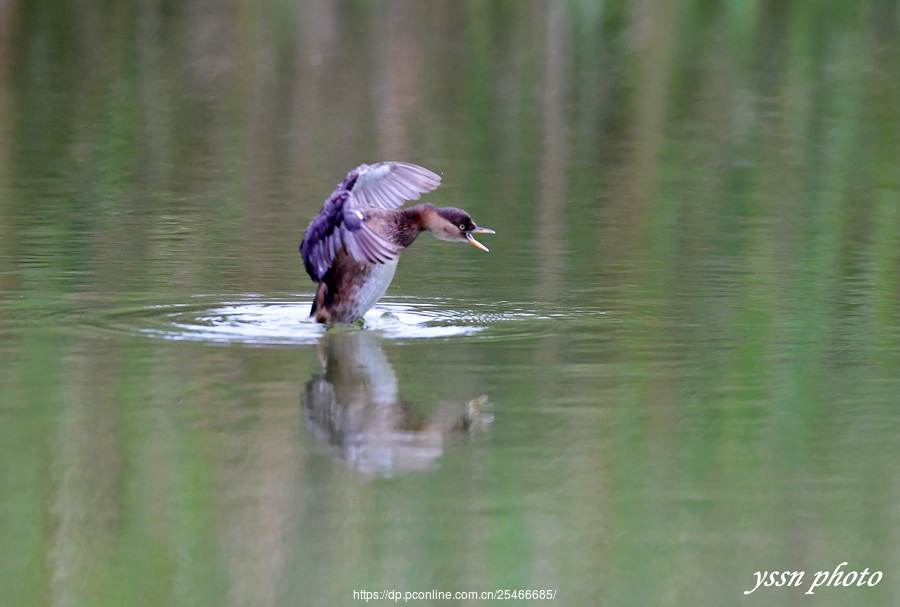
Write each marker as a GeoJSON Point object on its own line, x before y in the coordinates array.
{"type": "Point", "coordinates": [354, 404]}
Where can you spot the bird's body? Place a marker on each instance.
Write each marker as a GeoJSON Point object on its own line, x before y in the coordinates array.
{"type": "Point", "coordinates": [352, 247]}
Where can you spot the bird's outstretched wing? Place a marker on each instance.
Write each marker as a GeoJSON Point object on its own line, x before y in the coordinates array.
{"type": "Point", "coordinates": [389, 184]}
{"type": "Point", "coordinates": [341, 223]}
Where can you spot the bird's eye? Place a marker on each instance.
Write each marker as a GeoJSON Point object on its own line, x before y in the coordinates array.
{"type": "Point", "coordinates": [462, 227]}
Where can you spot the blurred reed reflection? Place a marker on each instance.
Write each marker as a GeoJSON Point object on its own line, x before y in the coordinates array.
{"type": "Point", "coordinates": [700, 198]}
{"type": "Point", "coordinates": [354, 404]}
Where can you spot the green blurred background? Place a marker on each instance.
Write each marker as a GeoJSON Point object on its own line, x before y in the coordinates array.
{"type": "Point", "coordinates": [688, 327]}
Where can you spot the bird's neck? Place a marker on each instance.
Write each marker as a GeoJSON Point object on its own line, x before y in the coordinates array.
{"type": "Point", "coordinates": [413, 221]}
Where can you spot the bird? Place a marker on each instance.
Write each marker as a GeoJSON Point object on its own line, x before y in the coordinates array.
{"type": "Point", "coordinates": [352, 247]}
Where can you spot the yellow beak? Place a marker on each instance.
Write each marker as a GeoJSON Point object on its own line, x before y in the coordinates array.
{"type": "Point", "coordinates": [479, 231]}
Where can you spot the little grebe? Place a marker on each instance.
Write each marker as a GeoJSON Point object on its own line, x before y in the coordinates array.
{"type": "Point", "coordinates": [353, 245]}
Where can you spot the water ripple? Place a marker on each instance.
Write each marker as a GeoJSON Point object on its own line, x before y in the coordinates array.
{"type": "Point", "coordinates": [254, 320]}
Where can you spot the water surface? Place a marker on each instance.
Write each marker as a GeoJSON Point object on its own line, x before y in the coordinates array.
{"type": "Point", "coordinates": [678, 365]}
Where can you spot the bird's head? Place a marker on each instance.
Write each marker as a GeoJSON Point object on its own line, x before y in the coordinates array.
{"type": "Point", "coordinates": [454, 225]}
